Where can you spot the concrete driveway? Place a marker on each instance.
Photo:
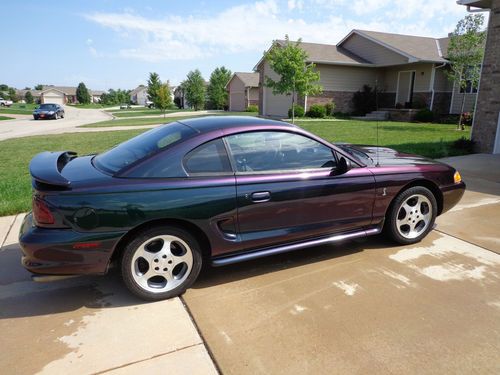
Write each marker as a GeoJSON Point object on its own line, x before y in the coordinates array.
{"type": "Point", "coordinates": [88, 325]}
{"type": "Point", "coordinates": [27, 126]}
{"type": "Point", "coordinates": [357, 307]}
{"type": "Point", "coordinates": [367, 306]}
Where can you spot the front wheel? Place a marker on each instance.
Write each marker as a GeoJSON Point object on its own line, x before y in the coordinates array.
{"type": "Point", "coordinates": [161, 263]}
{"type": "Point", "coordinates": [412, 215]}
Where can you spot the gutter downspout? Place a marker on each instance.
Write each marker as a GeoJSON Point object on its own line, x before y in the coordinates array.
{"type": "Point", "coordinates": [433, 80]}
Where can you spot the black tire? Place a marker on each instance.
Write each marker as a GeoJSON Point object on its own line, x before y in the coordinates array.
{"type": "Point", "coordinates": [130, 276]}
{"type": "Point", "coordinates": [393, 227]}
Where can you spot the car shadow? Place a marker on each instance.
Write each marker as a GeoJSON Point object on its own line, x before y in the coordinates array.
{"type": "Point", "coordinates": [21, 297]}
{"type": "Point", "coordinates": [213, 276]}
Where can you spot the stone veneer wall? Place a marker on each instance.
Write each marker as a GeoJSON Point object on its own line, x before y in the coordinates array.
{"type": "Point", "coordinates": [342, 99]}
{"type": "Point", "coordinates": [485, 123]}
{"type": "Point", "coordinates": [442, 101]}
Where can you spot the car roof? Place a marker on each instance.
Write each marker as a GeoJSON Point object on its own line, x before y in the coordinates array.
{"type": "Point", "coordinates": [210, 123]}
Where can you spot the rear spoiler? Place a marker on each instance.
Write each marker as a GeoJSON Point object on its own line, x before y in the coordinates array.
{"type": "Point", "coordinates": [47, 166]}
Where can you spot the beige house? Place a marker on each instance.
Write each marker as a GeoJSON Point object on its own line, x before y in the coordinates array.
{"type": "Point", "coordinates": [139, 95]}
{"type": "Point", "coordinates": [243, 90]}
{"type": "Point", "coordinates": [65, 94]}
{"type": "Point", "coordinates": [408, 70]}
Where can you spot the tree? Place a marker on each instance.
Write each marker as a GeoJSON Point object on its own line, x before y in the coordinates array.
{"type": "Point", "coordinates": [82, 94]}
{"type": "Point", "coordinates": [4, 87]}
{"type": "Point", "coordinates": [216, 89]}
{"type": "Point", "coordinates": [28, 97]}
{"type": "Point", "coordinates": [163, 98]}
{"type": "Point", "coordinates": [195, 89]}
{"type": "Point", "coordinates": [154, 84]}
{"type": "Point", "coordinates": [12, 94]}
{"type": "Point", "coordinates": [465, 54]}
{"type": "Point", "coordinates": [39, 87]}
{"type": "Point", "coordinates": [296, 76]}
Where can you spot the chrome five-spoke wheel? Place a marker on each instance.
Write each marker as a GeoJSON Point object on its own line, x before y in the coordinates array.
{"type": "Point", "coordinates": [411, 215]}
{"type": "Point", "coordinates": [161, 263]}
{"type": "Point", "coordinates": [414, 216]}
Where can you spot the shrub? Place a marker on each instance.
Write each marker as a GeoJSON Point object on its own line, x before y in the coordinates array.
{"type": "Point", "coordinates": [424, 115]}
{"type": "Point", "coordinates": [467, 118]}
{"type": "Point", "coordinates": [317, 111]}
{"type": "Point", "coordinates": [252, 108]}
{"type": "Point", "coordinates": [364, 100]}
{"type": "Point", "coordinates": [464, 144]}
{"type": "Point", "coordinates": [299, 111]}
{"type": "Point", "coordinates": [329, 108]}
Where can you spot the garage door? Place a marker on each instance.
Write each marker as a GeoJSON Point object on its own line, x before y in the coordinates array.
{"type": "Point", "coordinates": [53, 99]}
{"type": "Point", "coordinates": [237, 101]}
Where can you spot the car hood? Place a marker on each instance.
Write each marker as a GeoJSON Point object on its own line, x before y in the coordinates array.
{"type": "Point", "coordinates": [384, 156]}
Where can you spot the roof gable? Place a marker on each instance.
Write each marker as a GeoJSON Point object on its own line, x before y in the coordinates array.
{"type": "Point", "coordinates": [248, 79]}
{"type": "Point", "coordinates": [415, 48]}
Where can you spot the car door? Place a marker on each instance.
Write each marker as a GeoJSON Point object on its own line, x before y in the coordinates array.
{"type": "Point", "coordinates": [287, 189]}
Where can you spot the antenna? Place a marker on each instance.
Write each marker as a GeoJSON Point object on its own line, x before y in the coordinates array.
{"type": "Point", "coordinates": [376, 107]}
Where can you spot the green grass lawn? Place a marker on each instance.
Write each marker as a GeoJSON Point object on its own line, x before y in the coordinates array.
{"type": "Point", "coordinates": [2, 118]}
{"type": "Point", "coordinates": [90, 105]}
{"type": "Point", "coordinates": [158, 120]}
{"type": "Point", "coordinates": [433, 140]}
{"type": "Point", "coordinates": [15, 185]}
{"type": "Point", "coordinates": [18, 109]}
{"type": "Point", "coordinates": [144, 112]}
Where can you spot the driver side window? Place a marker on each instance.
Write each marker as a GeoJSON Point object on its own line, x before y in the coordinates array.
{"type": "Point", "coordinates": [272, 151]}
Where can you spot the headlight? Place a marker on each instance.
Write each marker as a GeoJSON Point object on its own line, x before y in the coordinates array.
{"type": "Point", "coordinates": [457, 178]}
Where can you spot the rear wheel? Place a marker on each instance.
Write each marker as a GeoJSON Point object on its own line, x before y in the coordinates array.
{"type": "Point", "coordinates": [161, 263]}
{"type": "Point", "coordinates": [412, 215]}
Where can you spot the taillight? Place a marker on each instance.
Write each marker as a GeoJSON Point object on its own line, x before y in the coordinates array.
{"type": "Point", "coordinates": [41, 212]}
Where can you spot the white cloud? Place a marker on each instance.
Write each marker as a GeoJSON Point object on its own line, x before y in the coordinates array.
{"type": "Point", "coordinates": [251, 27]}
{"type": "Point", "coordinates": [295, 4]}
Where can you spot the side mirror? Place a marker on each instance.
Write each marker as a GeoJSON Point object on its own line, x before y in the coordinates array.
{"type": "Point", "coordinates": [342, 166]}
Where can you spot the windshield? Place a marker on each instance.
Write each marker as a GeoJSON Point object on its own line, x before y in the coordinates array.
{"type": "Point", "coordinates": [47, 106]}
{"type": "Point", "coordinates": [143, 145]}
{"type": "Point", "coordinates": [357, 153]}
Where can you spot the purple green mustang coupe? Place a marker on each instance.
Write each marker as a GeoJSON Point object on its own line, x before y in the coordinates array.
{"type": "Point", "coordinates": [220, 190]}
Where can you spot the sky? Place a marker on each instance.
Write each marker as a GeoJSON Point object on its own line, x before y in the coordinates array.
{"type": "Point", "coordinates": [116, 43]}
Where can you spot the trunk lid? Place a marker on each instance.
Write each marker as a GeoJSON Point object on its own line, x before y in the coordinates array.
{"type": "Point", "coordinates": [63, 170]}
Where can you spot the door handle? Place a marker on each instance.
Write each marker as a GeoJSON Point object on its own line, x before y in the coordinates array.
{"type": "Point", "coordinates": [261, 196]}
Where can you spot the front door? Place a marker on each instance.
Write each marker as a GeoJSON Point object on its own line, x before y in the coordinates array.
{"type": "Point", "coordinates": [286, 191]}
{"type": "Point", "coordinates": [404, 93]}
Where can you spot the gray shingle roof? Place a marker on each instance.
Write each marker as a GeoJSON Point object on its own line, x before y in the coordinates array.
{"type": "Point", "coordinates": [329, 53]}
{"type": "Point", "coordinates": [249, 79]}
{"type": "Point", "coordinates": [420, 47]}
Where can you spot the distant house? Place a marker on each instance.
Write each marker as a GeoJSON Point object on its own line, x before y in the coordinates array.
{"type": "Point", "coordinates": [243, 89]}
{"type": "Point", "coordinates": [35, 93]}
{"type": "Point", "coordinates": [408, 70]}
{"type": "Point", "coordinates": [96, 95]}
{"type": "Point", "coordinates": [139, 95]}
{"type": "Point", "coordinates": [64, 94]}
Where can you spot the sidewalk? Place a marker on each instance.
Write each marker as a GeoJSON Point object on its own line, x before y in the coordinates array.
{"type": "Point", "coordinates": [89, 324]}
